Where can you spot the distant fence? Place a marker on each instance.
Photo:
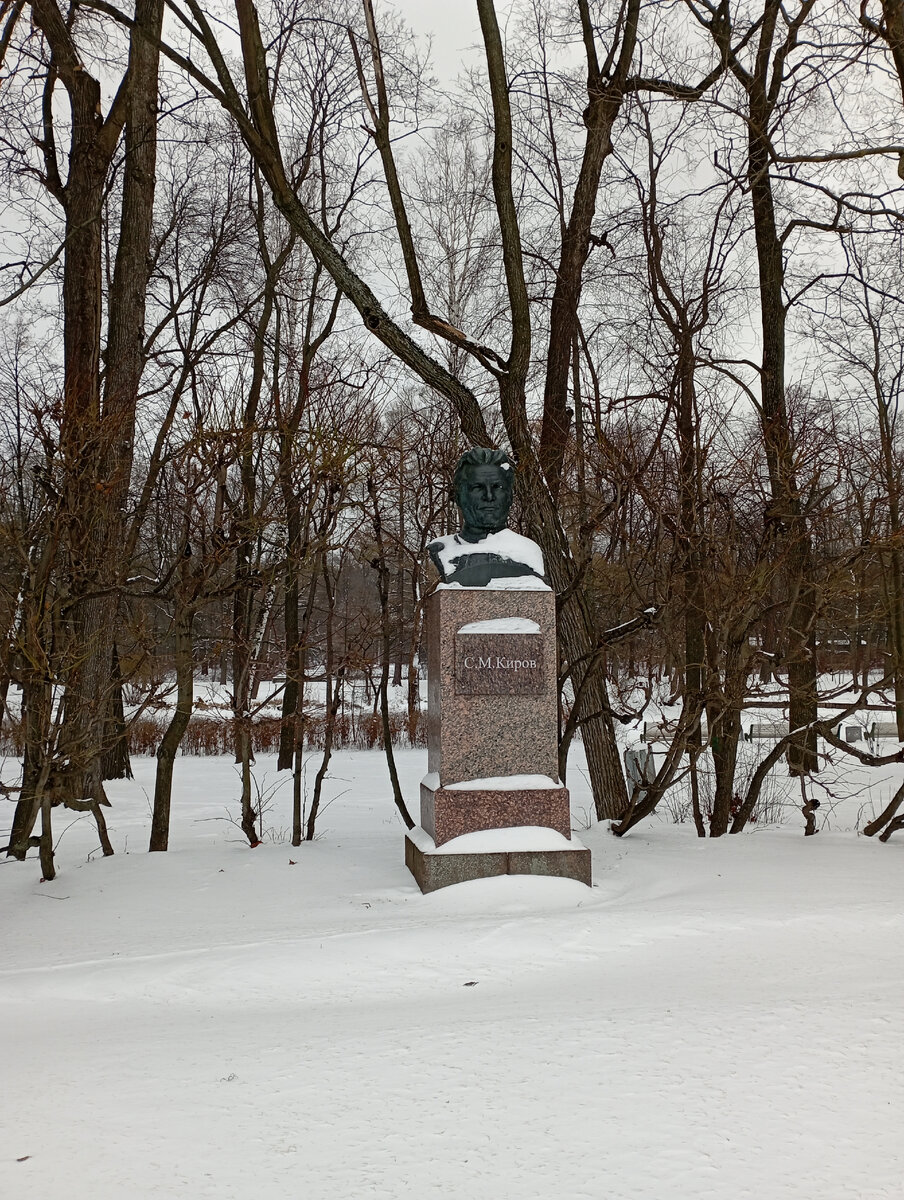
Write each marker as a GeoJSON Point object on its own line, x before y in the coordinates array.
{"type": "Point", "coordinates": [848, 731]}
{"type": "Point", "coordinates": [215, 735]}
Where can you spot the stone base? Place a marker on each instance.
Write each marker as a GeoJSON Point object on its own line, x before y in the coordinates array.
{"type": "Point", "coordinates": [448, 813]}
{"type": "Point", "coordinates": [433, 870]}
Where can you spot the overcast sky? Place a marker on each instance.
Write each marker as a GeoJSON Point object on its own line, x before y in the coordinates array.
{"type": "Point", "coordinates": [453, 24]}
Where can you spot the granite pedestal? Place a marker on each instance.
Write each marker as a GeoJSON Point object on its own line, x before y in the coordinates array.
{"type": "Point", "coordinates": [491, 736]}
{"type": "Point", "coordinates": [434, 869]}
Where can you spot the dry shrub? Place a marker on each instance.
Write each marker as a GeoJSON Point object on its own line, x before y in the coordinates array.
{"type": "Point", "coordinates": [214, 734]}
{"type": "Point", "coordinates": [145, 733]}
{"type": "Point", "coordinates": [11, 743]}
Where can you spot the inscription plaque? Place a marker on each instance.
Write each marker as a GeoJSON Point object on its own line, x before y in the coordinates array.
{"type": "Point", "coordinates": [499, 664]}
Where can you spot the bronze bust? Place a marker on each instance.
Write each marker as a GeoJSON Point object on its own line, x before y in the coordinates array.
{"type": "Point", "coordinates": [485, 551]}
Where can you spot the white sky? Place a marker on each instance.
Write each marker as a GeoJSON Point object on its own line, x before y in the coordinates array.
{"type": "Point", "coordinates": [453, 24]}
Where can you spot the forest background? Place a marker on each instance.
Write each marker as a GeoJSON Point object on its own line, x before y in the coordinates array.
{"type": "Point", "coordinates": [265, 278]}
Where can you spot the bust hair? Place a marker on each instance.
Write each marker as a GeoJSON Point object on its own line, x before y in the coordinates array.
{"type": "Point", "coordinates": [480, 456]}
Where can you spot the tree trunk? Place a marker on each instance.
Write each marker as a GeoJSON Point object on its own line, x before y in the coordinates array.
{"type": "Point", "coordinates": [115, 761]}
{"type": "Point", "coordinates": [888, 814]}
{"type": "Point", "coordinates": [578, 638]}
{"type": "Point", "coordinates": [334, 685]}
{"type": "Point", "coordinates": [95, 444]}
{"type": "Point", "coordinates": [604, 103]}
{"type": "Point", "coordinates": [36, 724]}
{"type": "Point", "coordinates": [414, 673]}
{"type": "Point", "coordinates": [175, 731]}
{"type": "Point", "coordinates": [245, 581]}
{"type": "Point", "coordinates": [789, 521]}
{"type": "Point", "coordinates": [287, 732]}
{"type": "Point", "coordinates": [327, 754]}
{"type": "Point", "coordinates": [48, 871]}
{"type": "Point", "coordinates": [689, 539]}
{"type": "Point", "coordinates": [894, 573]}
{"type": "Point", "coordinates": [724, 720]}
{"type": "Point", "coordinates": [382, 568]}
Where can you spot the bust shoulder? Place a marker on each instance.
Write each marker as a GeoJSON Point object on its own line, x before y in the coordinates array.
{"type": "Point", "coordinates": [500, 555]}
{"type": "Point", "coordinates": [513, 547]}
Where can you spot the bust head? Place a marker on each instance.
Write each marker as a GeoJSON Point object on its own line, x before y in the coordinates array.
{"type": "Point", "coordinates": [482, 486]}
{"type": "Point", "coordinates": [486, 553]}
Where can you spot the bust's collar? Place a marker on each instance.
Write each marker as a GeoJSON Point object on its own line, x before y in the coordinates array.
{"type": "Point", "coordinates": [463, 539]}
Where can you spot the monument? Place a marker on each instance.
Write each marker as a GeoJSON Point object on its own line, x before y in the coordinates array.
{"type": "Point", "coordinates": [491, 802]}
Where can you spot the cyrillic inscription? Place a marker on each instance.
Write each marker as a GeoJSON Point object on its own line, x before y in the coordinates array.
{"type": "Point", "coordinates": [499, 664]}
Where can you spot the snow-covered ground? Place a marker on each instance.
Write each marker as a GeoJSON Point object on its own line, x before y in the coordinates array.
{"type": "Point", "coordinates": [712, 1019]}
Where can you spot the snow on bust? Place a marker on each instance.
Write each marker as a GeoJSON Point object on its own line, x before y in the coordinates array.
{"type": "Point", "coordinates": [484, 553]}
{"type": "Point", "coordinates": [503, 555]}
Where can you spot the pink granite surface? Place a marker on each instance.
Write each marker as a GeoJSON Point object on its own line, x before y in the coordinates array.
{"type": "Point", "coordinates": [513, 664]}
{"type": "Point", "coordinates": [447, 814]}
{"type": "Point", "coordinates": [476, 736]}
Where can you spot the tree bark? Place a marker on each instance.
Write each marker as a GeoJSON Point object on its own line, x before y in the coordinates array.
{"type": "Point", "coordinates": [96, 442]}
{"type": "Point", "coordinates": [115, 761]}
{"type": "Point", "coordinates": [789, 520]}
{"type": "Point", "coordinates": [604, 103]}
{"type": "Point", "coordinates": [382, 568]}
{"type": "Point", "coordinates": [175, 731]}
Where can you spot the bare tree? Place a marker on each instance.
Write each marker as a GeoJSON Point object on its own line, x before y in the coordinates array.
{"type": "Point", "coordinates": [608, 75]}
{"type": "Point", "coordinates": [90, 478]}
